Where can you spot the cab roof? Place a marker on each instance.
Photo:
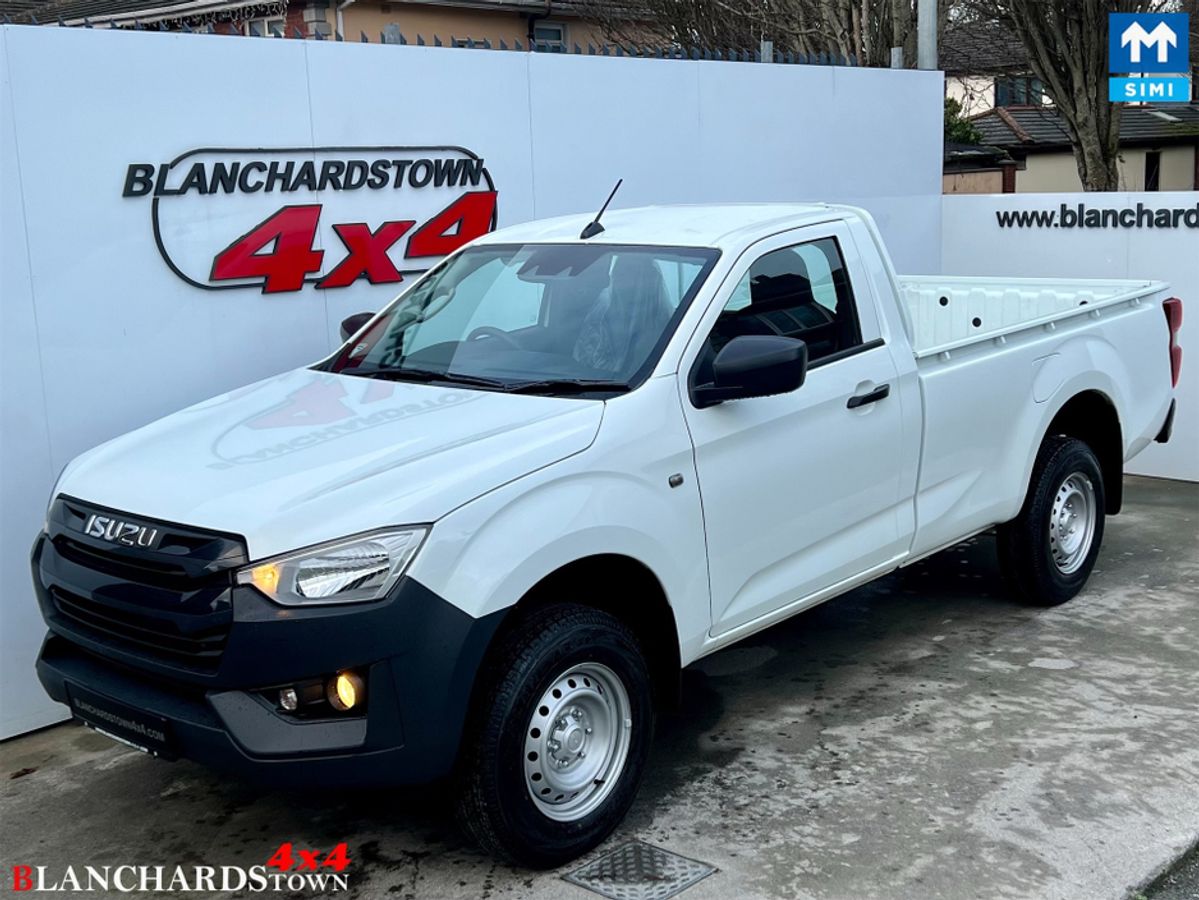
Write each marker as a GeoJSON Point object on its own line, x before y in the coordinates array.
{"type": "Point", "coordinates": [716, 225]}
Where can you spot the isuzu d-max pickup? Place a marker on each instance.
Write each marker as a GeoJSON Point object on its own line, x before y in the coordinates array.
{"type": "Point", "coordinates": [480, 540]}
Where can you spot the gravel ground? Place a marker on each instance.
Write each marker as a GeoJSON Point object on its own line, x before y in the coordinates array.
{"type": "Point", "coordinates": [1180, 883]}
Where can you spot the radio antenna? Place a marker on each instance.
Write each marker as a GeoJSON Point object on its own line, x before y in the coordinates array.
{"type": "Point", "coordinates": [594, 227]}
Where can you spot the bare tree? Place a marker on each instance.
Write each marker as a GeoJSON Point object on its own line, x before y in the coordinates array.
{"type": "Point", "coordinates": [1067, 45]}
{"type": "Point", "coordinates": [864, 29]}
{"type": "Point", "coordinates": [1191, 7]}
{"type": "Point", "coordinates": [1067, 49]}
{"type": "Point", "coordinates": [1066, 42]}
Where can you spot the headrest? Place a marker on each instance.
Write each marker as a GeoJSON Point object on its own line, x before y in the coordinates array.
{"type": "Point", "coordinates": [635, 275]}
{"type": "Point", "coordinates": [790, 286]}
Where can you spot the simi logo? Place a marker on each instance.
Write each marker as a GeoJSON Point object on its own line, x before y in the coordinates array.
{"type": "Point", "coordinates": [282, 219]}
{"type": "Point", "coordinates": [1142, 45]}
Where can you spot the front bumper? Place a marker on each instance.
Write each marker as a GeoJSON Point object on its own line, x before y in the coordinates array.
{"type": "Point", "coordinates": [421, 655]}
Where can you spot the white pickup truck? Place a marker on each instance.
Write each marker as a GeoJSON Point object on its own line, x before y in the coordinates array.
{"type": "Point", "coordinates": [480, 541]}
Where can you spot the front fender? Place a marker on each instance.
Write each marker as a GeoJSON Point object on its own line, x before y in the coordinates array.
{"type": "Point", "coordinates": [622, 496]}
{"type": "Point", "coordinates": [487, 555]}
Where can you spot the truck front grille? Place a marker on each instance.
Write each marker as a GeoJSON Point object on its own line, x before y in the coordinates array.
{"type": "Point", "coordinates": [169, 604]}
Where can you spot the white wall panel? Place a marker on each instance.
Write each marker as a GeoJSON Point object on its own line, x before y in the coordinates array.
{"type": "Point", "coordinates": [123, 340]}
{"type": "Point", "coordinates": [26, 469]}
{"type": "Point", "coordinates": [598, 118]}
{"type": "Point", "coordinates": [422, 96]}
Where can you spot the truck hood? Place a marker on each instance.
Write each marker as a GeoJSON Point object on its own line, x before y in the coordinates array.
{"type": "Point", "coordinates": [312, 456]}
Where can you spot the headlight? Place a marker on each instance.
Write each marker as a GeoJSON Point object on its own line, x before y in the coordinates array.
{"type": "Point", "coordinates": [353, 570]}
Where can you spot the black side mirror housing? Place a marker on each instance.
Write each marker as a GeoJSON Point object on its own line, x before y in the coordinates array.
{"type": "Point", "coordinates": [754, 365]}
{"type": "Point", "coordinates": [353, 324]}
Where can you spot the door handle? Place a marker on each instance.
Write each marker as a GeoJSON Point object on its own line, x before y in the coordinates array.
{"type": "Point", "coordinates": [869, 397]}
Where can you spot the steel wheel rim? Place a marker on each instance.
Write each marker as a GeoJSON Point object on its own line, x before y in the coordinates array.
{"type": "Point", "coordinates": [1072, 523]}
{"type": "Point", "coordinates": [577, 741]}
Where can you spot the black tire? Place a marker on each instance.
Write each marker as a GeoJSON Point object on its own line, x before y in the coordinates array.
{"type": "Point", "coordinates": [495, 805]}
{"type": "Point", "coordinates": [1033, 570]}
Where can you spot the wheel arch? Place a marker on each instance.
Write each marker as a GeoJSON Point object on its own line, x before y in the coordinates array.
{"type": "Point", "coordinates": [626, 589]}
{"type": "Point", "coordinates": [1091, 417]}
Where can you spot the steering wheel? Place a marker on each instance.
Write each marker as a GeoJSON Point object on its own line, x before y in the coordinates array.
{"type": "Point", "coordinates": [484, 331]}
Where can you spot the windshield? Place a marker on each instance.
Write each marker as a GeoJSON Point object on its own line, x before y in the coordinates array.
{"type": "Point", "coordinates": [541, 318]}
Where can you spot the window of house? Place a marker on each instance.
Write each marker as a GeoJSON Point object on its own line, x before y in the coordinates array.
{"type": "Point", "coordinates": [549, 36]}
{"type": "Point", "coordinates": [1153, 170]}
{"type": "Point", "coordinates": [273, 27]}
{"type": "Point", "coordinates": [1019, 90]}
{"type": "Point", "coordinates": [801, 292]}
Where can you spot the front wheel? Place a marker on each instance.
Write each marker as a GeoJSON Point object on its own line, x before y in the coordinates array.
{"type": "Point", "coordinates": [1047, 552]}
{"type": "Point", "coordinates": [559, 737]}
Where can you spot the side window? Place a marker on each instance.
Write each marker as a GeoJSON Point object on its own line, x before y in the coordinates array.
{"type": "Point", "coordinates": [801, 292]}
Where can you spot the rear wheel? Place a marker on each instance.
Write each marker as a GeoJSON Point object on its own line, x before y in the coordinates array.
{"type": "Point", "coordinates": [559, 737]}
{"type": "Point", "coordinates": [1048, 551]}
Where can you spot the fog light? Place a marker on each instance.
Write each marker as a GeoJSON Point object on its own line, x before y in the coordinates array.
{"type": "Point", "coordinates": [288, 699]}
{"type": "Point", "coordinates": [345, 690]}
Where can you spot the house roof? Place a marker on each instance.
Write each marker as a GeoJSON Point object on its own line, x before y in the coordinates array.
{"type": "Point", "coordinates": [149, 11]}
{"type": "Point", "coordinates": [1031, 129]}
{"type": "Point", "coordinates": [74, 12]}
{"type": "Point", "coordinates": [993, 48]}
{"type": "Point", "coordinates": [16, 9]}
{"type": "Point", "coordinates": [559, 6]}
{"type": "Point", "coordinates": [965, 157]}
{"type": "Point", "coordinates": [981, 48]}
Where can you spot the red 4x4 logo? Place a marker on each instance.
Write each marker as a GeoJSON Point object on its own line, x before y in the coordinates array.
{"type": "Point", "coordinates": [328, 217]}
{"type": "Point", "coordinates": [279, 250]}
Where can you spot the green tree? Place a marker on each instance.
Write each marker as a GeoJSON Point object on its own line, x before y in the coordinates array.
{"type": "Point", "coordinates": [958, 129]}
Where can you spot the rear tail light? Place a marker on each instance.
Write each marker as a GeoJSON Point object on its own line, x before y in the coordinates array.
{"type": "Point", "coordinates": [1173, 308]}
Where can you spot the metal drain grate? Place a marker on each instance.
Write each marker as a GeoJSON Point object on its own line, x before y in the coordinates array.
{"type": "Point", "coordinates": [639, 871]}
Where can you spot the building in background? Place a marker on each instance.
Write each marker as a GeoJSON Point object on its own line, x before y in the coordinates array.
{"type": "Point", "coordinates": [551, 26]}
{"type": "Point", "coordinates": [987, 71]}
{"type": "Point", "coordinates": [262, 17]}
{"type": "Point", "coordinates": [977, 169]}
{"type": "Point", "coordinates": [986, 66]}
{"type": "Point", "coordinates": [548, 24]}
{"type": "Point", "coordinates": [1159, 147]}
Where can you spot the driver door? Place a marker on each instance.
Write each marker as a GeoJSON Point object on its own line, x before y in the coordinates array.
{"type": "Point", "coordinates": [800, 491]}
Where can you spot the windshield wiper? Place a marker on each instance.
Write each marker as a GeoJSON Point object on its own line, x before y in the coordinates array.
{"type": "Point", "coordinates": [541, 386]}
{"type": "Point", "coordinates": [427, 375]}
{"type": "Point", "coordinates": [569, 386]}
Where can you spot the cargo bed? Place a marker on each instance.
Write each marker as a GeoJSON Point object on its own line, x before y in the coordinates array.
{"type": "Point", "coordinates": [946, 313]}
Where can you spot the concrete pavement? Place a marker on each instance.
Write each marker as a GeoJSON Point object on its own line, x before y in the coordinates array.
{"type": "Point", "coordinates": [923, 736]}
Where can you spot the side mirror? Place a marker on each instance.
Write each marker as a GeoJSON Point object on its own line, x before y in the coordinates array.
{"type": "Point", "coordinates": [352, 325]}
{"type": "Point", "coordinates": [754, 365]}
